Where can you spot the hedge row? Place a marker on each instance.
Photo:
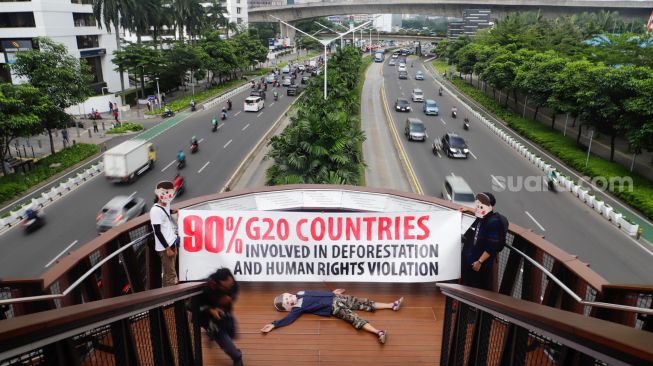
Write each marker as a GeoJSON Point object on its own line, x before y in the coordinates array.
{"type": "Point", "coordinates": [181, 103]}
{"type": "Point", "coordinates": [125, 127]}
{"type": "Point", "coordinates": [17, 183]}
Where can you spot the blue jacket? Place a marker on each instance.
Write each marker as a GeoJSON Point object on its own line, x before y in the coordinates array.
{"type": "Point", "coordinates": [314, 302]}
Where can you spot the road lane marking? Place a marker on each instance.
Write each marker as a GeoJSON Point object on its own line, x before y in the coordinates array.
{"type": "Point", "coordinates": [237, 113]}
{"type": "Point", "coordinates": [200, 141]}
{"type": "Point", "coordinates": [497, 182]}
{"type": "Point", "coordinates": [535, 221]}
{"type": "Point", "coordinates": [271, 104]}
{"type": "Point", "coordinates": [442, 120]}
{"type": "Point", "coordinates": [470, 151]}
{"type": "Point", "coordinates": [168, 166]}
{"type": "Point", "coordinates": [259, 115]}
{"type": "Point", "coordinates": [202, 168]}
{"type": "Point", "coordinates": [60, 254]}
{"type": "Point", "coordinates": [220, 125]}
{"type": "Point", "coordinates": [227, 144]}
{"type": "Point", "coordinates": [244, 128]}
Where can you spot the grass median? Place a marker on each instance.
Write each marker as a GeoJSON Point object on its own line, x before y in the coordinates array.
{"type": "Point", "coordinates": [15, 184]}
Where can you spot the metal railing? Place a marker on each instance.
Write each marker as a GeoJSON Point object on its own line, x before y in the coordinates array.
{"type": "Point", "coordinates": [530, 269]}
{"type": "Point", "coordinates": [149, 328]}
{"type": "Point", "coordinates": [485, 328]}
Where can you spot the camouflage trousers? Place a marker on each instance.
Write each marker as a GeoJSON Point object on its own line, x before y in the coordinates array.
{"type": "Point", "coordinates": [344, 305]}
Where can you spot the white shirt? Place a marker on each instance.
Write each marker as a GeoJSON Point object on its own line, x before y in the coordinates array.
{"type": "Point", "coordinates": [168, 228]}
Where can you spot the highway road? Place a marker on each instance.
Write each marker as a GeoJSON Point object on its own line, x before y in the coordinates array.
{"type": "Point", "coordinates": [563, 220]}
{"type": "Point", "coordinates": [70, 221]}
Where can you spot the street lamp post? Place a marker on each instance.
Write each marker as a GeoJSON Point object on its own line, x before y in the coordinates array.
{"type": "Point", "coordinates": [158, 93]}
{"type": "Point", "coordinates": [324, 43]}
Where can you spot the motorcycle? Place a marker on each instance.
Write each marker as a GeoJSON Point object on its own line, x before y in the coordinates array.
{"type": "Point", "coordinates": [179, 190]}
{"type": "Point", "coordinates": [215, 128]}
{"type": "Point", "coordinates": [194, 148]}
{"type": "Point", "coordinates": [229, 105]}
{"type": "Point", "coordinates": [193, 108]}
{"type": "Point", "coordinates": [454, 114]}
{"type": "Point", "coordinates": [224, 116]}
{"type": "Point", "coordinates": [276, 97]}
{"type": "Point", "coordinates": [33, 223]}
{"type": "Point", "coordinates": [466, 124]}
{"type": "Point", "coordinates": [167, 114]}
{"type": "Point", "coordinates": [440, 92]}
{"type": "Point", "coordinates": [181, 163]}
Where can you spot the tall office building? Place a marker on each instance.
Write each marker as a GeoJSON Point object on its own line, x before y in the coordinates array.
{"type": "Point", "coordinates": [70, 22]}
{"type": "Point", "coordinates": [473, 20]}
{"type": "Point", "coordinates": [387, 22]}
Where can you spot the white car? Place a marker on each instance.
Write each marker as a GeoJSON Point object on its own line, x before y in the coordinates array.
{"type": "Point", "coordinates": [402, 67]}
{"type": "Point", "coordinates": [253, 104]}
{"type": "Point", "coordinates": [301, 67]}
{"type": "Point", "coordinates": [417, 95]}
{"type": "Point", "coordinates": [456, 190]}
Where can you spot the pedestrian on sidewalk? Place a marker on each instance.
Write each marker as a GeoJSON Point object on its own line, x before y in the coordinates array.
{"type": "Point", "coordinates": [110, 106]}
{"type": "Point", "coordinates": [149, 106]}
{"type": "Point", "coordinates": [95, 129]}
{"type": "Point", "coordinates": [115, 115]}
{"type": "Point", "coordinates": [163, 98]}
{"type": "Point", "coordinates": [64, 135]}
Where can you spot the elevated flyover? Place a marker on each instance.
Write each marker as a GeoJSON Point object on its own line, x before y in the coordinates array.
{"type": "Point", "coordinates": [639, 10]}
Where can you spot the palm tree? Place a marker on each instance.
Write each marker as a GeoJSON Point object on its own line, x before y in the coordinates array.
{"type": "Point", "coordinates": [142, 17]}
{"type": "Point", "coordinates": [110, 11]}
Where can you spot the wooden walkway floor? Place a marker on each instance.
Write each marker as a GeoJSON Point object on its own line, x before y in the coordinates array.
{"type": "Point", "coordinates": [414, 332]}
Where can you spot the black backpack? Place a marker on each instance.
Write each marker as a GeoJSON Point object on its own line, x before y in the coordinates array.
{"type": "Point", "coordinates": [505, 223]}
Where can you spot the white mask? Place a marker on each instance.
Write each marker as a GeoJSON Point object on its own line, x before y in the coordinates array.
{"type": "Point", "coordinates": [165, 195]}
{"type": "Point", "coordinates": [482, 209]}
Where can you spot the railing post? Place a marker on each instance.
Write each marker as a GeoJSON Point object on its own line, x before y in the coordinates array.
{"type": "Point", "coordinates": [184, 342]}
{"type": "Point", "coordinates": [161, 348]}
{"type": "Point", "coordinates": [124, 349]}
{"type": "Point", "coordinates": [448, 331]}
{"type": "Point", "coordinates": [197, 334]}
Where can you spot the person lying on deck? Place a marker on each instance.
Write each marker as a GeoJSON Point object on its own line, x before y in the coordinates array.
{"type": "Point", "coordinates": [327, 304]}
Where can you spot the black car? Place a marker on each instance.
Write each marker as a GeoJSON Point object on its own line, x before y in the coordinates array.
{"type": "Point", "coordinates": [402, 105]}
{"type": "Point", "coordinates": [403, 74]}
{"type": "Point", "coordinates": [292, 90]}
{"type": "Point", "coordinates": [257, 93]}
{"type": "Point", "coordinates": [454, 146]}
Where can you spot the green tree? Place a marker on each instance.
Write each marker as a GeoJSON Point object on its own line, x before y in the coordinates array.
{"type": "Point", "coordinates": [501, 70]}
{"type": "Point", "coordinates": [220, 57]}
{"type": "Point", "coordinates": [58, 75]}
{"type": "Point", "coordinates": [536, 77]}
{"type": "Point", "coordinates": [140, 60]}
{"type": "Point", "coordinates": [15, 119]}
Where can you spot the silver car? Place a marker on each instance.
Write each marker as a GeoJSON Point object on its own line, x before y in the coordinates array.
{"type": "Point", "coordinates": [118, 211]}
{"type": "Point", "coordinates": [456, 190]}
{"type": "Point", "coordinates": [415, 130]}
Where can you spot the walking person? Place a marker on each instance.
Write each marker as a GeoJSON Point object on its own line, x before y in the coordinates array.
{"type": "Point", "coordinates": [64, 136]}
{"type": "Point", "coordinates": [95, 129]}
{"type": "Point", "coordinates": [482, 241]}
{"type": "Point", "coordinates": [215, 306]}
{"type": "Point", "coordinates": [110, 106]}
{"type": "Point", "coordinates": [165, 231]}
{"type": "Point", "coordinates": [115, 116]}
{"type": "Point", "coordinates": [330, 304]}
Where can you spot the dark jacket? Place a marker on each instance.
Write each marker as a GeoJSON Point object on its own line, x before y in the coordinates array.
{"type": "Point", "coordinates": [490, 231]}
{"type": "Point", "coordinates": [211, 298]}
{"type": "Point", "coordinates": [314, 302]}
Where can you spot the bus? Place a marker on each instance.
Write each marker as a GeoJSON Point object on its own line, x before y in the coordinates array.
{"type": "Point", "coordinates": [378, 57]}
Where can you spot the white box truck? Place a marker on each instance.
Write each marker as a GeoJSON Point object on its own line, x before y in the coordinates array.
{"type": "Point", "coordinates": [124, 162]}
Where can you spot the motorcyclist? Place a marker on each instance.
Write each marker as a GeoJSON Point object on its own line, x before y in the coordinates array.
{"type": "Point", "coordinates": [193, 141]}
{"type": "Point", "coordinates": [178, 182]}
{"type": "Point", "coordinates": [214, 121]}
{"type": "Point", "coordinates": [224, 113]}
{"type": "Point", "coordinates": [229, 104]}
{"type": "Point", "coordinates": [167, 111]}
{"type": "Point", "coordinates": [192, 104]}
{"type": "Point", "coordinates": [454, 111]}
{"type": "Point", "coordinates": [275, 93]}
{"type": "Point", "coordinates": [31, 214]}
{"type": "Point", "coordinates": [181, 157]}
{"type": "Point", "coordinates": [440, 91]}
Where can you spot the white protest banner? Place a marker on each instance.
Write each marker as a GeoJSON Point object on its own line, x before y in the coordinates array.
{"type": "Point", "coordinates": [313, 247]}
